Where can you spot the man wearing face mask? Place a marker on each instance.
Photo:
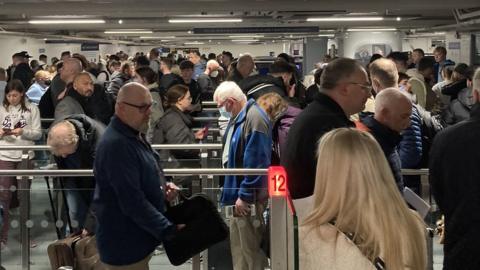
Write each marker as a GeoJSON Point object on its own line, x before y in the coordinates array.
{"type": "Point", "coordinates": [42, 82]}
{"type": "Point", "coordinates": [207, 81]}
{"type": "Point", "coordinates": [248, 144]}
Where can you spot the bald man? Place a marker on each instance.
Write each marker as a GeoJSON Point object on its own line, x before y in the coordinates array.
{"type": "Point", "coordinates": [129, 199]}
{"type": "Point", "coordinates": [245, 66]}
{"type": "Point", "coordinates": [383, 74]}
{"type": "Point", "coordinates": [207, 81]}
{"type": "Point", "coordinates": [392, 115]}
{"type": "Point", "coordinates": [81, 97]}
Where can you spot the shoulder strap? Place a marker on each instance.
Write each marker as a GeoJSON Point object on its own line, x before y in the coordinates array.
{"type": "Point", "coordinates": [258, 88]}
{"type": "Point", "coordinates": [377, 262]}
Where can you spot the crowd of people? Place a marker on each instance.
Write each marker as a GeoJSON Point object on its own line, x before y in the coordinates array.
{"type": "Point", "coordinates": [343, 141]}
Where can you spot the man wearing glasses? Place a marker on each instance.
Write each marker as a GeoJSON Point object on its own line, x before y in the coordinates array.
{"type": "Point", "coordinates": [344, 89]}
{"type": "Point", "coordinates": [130, 192]}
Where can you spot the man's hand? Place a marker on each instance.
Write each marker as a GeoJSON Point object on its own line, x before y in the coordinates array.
{"type": "Point", "coordinates": [242, 208]}
{"type": "Point", "coordinates": [171, 191]}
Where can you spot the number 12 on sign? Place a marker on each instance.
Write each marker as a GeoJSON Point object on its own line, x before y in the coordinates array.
{"type": "Point", "coordinates": [277, 181]}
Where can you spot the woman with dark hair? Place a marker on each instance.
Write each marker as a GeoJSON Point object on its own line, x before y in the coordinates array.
{"type": "Point", "coordinates": [148, 78]}
{"type": "Point", "coordinates": [175, 128]}
{"type": "Point", "coordinates": [20, 126]}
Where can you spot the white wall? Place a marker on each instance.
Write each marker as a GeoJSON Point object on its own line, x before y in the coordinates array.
{"type": "Point", "coordinates": [424, 43]}
{"type": "Point", "coordinates": [354, 40]}
{"type": "Point", "coordinates": [13, 44]}
{"type": "Point", "coordinates": [459, 47]}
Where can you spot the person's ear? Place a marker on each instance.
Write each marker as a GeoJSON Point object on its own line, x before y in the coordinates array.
{"type": "Point", "coordinates": [476, 95]}
{"type": "Point", "coordinates": [376, 85]}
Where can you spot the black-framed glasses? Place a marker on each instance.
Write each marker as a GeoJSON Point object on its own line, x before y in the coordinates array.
{"type": "Point", "coordinates": [365, 87]}
{"type": "Point", "coordinates": [141, 108]}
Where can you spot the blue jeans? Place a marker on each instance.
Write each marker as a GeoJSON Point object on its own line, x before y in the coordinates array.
{"type": "Point", "coordinates": [78, 203]}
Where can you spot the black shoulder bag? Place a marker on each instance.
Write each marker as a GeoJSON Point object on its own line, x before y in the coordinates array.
{"type": "Point", "coordinates": [204, 228]}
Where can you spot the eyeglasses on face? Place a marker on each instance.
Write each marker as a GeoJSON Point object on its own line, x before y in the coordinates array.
{"type": "Point", "coordinates": [365, 87]}
{"type": "Point", "coordinates": [141, 108]}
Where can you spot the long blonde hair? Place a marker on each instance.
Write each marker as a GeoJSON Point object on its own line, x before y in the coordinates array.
{"type": "Point", "coordinates": [355, 187]}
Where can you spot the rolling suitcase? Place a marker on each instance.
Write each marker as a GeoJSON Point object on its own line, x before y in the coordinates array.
{"type": "Point", "coordinates": [61, 253]}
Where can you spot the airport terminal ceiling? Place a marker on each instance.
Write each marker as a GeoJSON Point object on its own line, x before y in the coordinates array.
{"type": "Point", "coordinates": [179, 21]}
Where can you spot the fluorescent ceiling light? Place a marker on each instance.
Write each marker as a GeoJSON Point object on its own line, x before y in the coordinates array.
{"type": "Point", "coordinates": [344, 19]}
{"type": "Point", "coordinates": [326, 35]}
{"type": "Point", "coordinates": [203, 20]}
{"type": "Point", "coordinates": [129, 32]}
{"type": "Point", "coordinates": [371, 29]}
{"type": "Point", "coordinates": [66, 21]}
{"type": "Point", "coordinates": [245, 40]}
{"type": "Point", "coordinates": [193, 43]}
{"type": "Point", "coordinates": [247, 36]}
{"type": "Point", "coordinates": [167, 37]}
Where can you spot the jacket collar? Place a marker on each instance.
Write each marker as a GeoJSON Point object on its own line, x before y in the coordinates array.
{"type": "Point", "coordinates": [243, 113]}
{"type": "Point", "coordinates": [384, 134]}
{"type": "Point", "coordinates": [124, 128]}
{"type": "Point", "coordinates": [185, 117]}
{"type": "Point", "coordinates": [475, 112]}
{"type": "Point", "coordinates": [331, 105]}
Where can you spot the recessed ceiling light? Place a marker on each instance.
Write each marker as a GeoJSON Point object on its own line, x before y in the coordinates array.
{"type": "Point", "coordinates": [66, 21]}
{"type": "Point", "coordinates": [399, 19]}
{"type": "Point", "coordinates": [326, 35]}
{"type": "Point", "coordinates": [203, 20]}
{"type": "Point", "coordinates": [344, 19]}
{"type": "Point", "coordinates": [247, 36]}
{"type": "Point", "coordinates": [370, 29]}
{"type": "Point", "coordinates": [120, 21]}
{"type": "Point", "coordinates": [193, 43]}
{"type": "Point", "coordinates": [244, 40]}
{"type": "Point", "coordinates": [129, 32]}
{"type": "Point", "coordinates": [166, 37]}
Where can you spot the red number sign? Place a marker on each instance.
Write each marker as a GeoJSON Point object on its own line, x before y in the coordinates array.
{"type": "Point", "coordinates": [277, 181]}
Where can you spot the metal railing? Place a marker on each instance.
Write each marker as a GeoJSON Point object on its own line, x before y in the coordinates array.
{"type": "Point", "coordinates": [25, 175]}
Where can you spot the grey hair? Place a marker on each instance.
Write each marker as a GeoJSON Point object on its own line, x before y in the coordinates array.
{"type": "Point", "coordinates": [56, 140]}
{"type": "Point", "coordinates": [229, 89]}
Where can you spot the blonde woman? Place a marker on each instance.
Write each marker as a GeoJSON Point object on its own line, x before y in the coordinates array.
{"type": "Point", "coordinates": [281, 115]}
{"type": "Point", "coordinates": [359, 217]}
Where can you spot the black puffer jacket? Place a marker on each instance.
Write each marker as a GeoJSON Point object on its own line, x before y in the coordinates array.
{"type": "Point", "coordinates": [89, 132]}
{"type": "Point", "coordinates": [459, 109]}
{"type": "Point", "coordinates": [258, 85]}
{"type": "Point", "coordinates": [117, 81]}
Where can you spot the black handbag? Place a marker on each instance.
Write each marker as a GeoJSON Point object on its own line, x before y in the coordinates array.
{"type": "Point", "coordinates": [204, 228]}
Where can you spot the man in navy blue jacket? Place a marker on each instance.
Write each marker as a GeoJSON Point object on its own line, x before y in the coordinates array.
{"type": "Point", "coordinates": [129, 200]}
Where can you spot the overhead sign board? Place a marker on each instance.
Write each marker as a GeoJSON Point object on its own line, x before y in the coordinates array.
{"type": "Point", "coordinates": [256, 30]}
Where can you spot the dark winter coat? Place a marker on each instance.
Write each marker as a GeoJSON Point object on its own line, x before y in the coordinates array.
{"type": "Point", "coordinates": [454, 178]}
{"type": "Point", "coordinates": [388, 140]}
{"type": "Point", "coordinates": [299, 158]}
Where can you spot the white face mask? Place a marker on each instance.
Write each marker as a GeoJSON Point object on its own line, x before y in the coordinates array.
{"type": "Point", "coordinates": [214, 74]}
{"type": "Point", "coordinates": [224, 113]}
